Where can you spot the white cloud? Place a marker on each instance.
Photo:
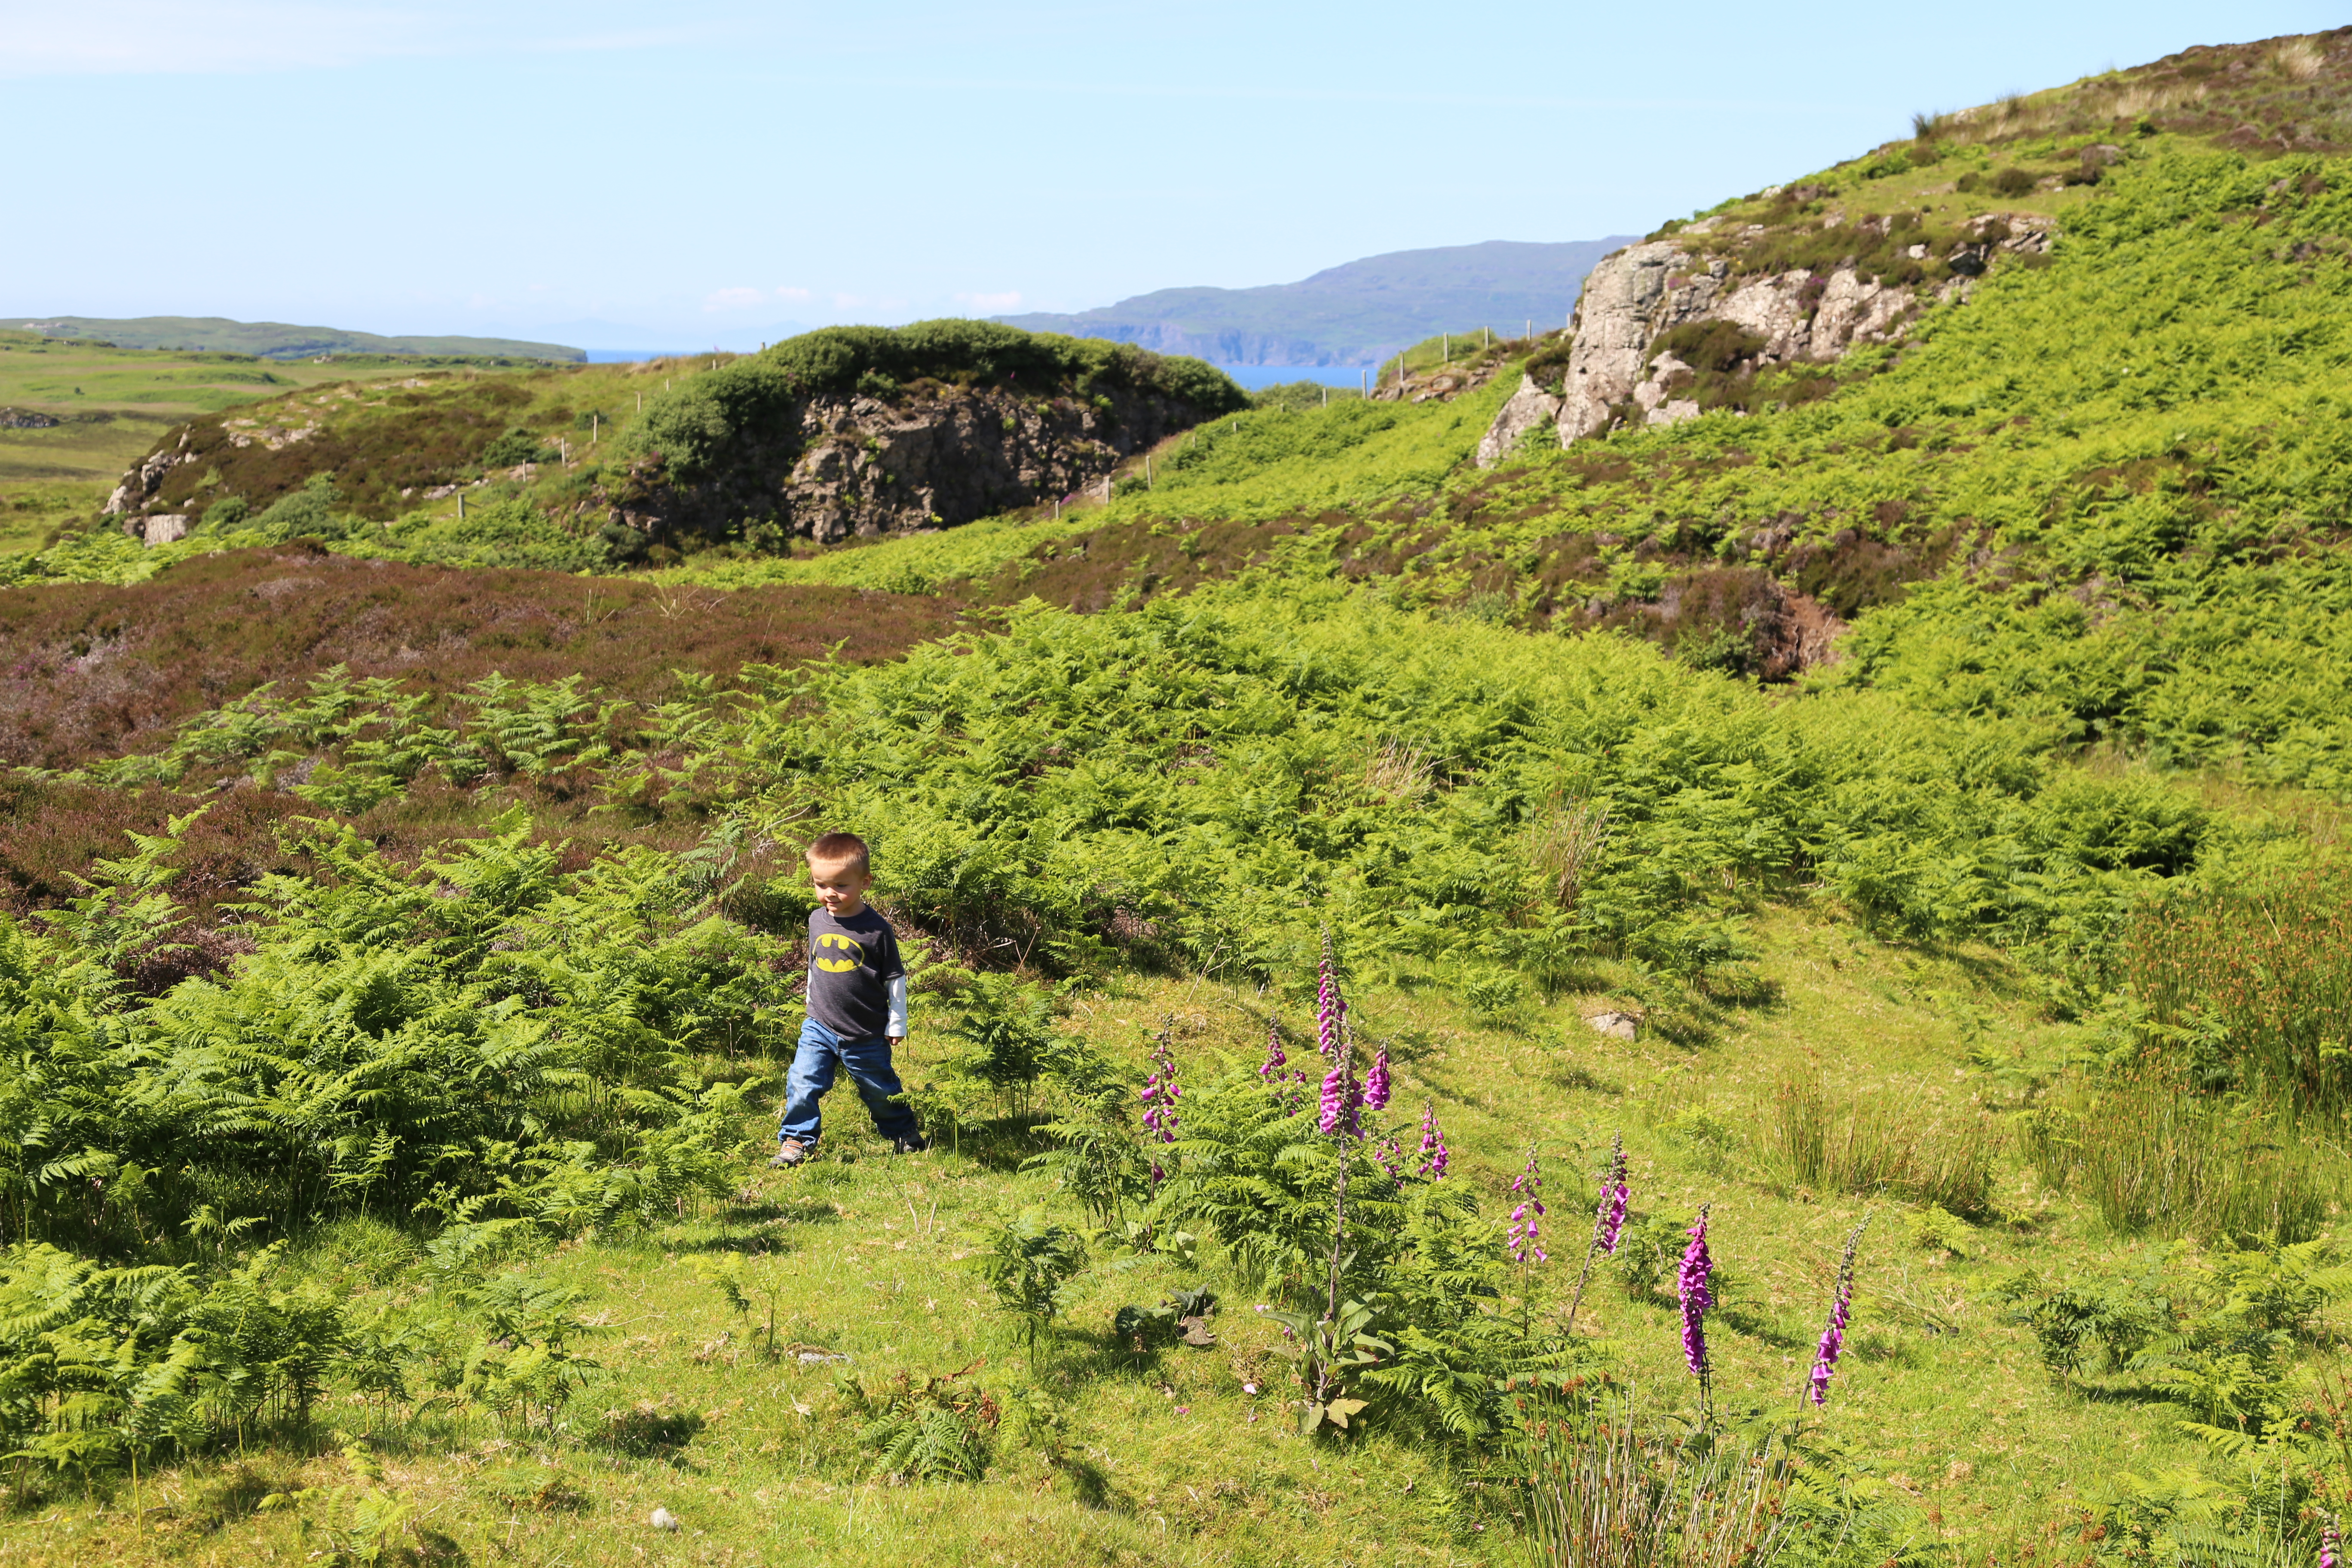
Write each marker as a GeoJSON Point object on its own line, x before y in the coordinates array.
{"type": "Point", "coordinates": [794, 295]}
{"type": "Point", "coordinates": [733, 299]}
{"type": "Point", "coordinates": [1008, 300]}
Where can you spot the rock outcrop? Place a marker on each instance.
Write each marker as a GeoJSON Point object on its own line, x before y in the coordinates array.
{"type": "Point", "coordinates": [848, 466]}
{"type": "Point", "coordinates": [138, 486]}
{"type": "Point", "coordinates": [1637, 295]}
{"type": "Point", "coordinates": [28, 419]}
{"type": "Point", "coordinates": [1530, 407]}
{"type": "Point", "coordinates": [1617, 316]}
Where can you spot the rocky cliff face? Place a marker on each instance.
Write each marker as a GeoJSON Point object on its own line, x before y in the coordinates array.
{"type": "Point", "coordinates": [1617, 373]}
{"type": "Point", "coordinates": [838, 467]}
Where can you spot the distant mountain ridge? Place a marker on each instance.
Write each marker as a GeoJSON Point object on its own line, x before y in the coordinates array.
{"type": "Point", "coordinates": [1356, 313]}
{"type": "Point", "coordinates": [278, 339]}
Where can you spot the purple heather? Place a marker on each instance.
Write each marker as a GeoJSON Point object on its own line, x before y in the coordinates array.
{"type": "Point", "coordinates": [1692, 1288]}
{"type": "Point", "coordinates": [1825, 1355]}
{"type": "Point", "coordinates": [1525, 1236]}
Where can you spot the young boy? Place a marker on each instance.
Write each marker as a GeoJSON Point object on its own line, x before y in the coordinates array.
{"type": "Point", "coordinates": [856, 1005]}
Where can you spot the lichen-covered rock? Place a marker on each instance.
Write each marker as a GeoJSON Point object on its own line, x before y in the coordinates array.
{"type": "Point", "coordinates": [165, 528]}
{"type": "Point", "coordinates": [140, 483]}
{"type": "Point", "coordinates": [1615, 320]}
{"type": "Point", "coordinates": [1774, 309]}
{"type": "Point", "coordinates": [1855, 310]}
{"type": "Point", "coordinates": [1529, 407]}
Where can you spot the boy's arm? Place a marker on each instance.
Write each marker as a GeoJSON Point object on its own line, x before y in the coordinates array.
{"type": "Point", "coordinates": [895, 1026]}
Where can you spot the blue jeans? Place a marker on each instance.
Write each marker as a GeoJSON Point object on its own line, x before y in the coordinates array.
{"type": "Point", "coordinates": [868, 1061]}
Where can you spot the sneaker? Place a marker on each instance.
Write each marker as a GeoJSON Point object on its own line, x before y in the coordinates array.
{"type": "Point", "coordinates": [790, 1154]}
{"type": "Point", "coordinates": [911, 1145]}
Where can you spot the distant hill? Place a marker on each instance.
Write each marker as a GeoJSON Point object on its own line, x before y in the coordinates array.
{"type": "Point", "coordinates": [1359, 313]}
{"type": "Point", "coordinates": [276, 339]}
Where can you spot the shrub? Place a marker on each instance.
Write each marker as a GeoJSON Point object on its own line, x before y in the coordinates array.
{"type": "Point", "coordinates": [307, 512]}
{"type": "Point", "coordinates": [1029, 1265]}
{"type": "Point", "coordinates": [693, 424]}
{"type": "Point", "coordinates": [226, 513]}
{"type": "Point", "coordinates": [516, 446]}
{"type": "Point", "coordinates": [2012, 181]}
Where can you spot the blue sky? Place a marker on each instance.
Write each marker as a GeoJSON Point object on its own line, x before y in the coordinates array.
{"type": "Point", "coordinates": [712, 172]}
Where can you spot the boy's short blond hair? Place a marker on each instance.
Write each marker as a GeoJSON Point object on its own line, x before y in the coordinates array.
{"type": "Point", "coordinates": [841, 849]}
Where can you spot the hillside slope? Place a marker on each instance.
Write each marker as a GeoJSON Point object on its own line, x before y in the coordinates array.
{"type": "Point", "coordinates": [1356, 313]}
{"type": "Point", "coordinates": [277, 340]}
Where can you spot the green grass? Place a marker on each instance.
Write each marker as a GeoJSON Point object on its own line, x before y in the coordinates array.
{"type": "Point", "coordinates": [115, 405]}
{"type": "Point", "coordinates": [1941, 1397]}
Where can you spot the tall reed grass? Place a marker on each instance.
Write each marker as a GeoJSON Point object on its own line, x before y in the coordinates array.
{"type": "Point", "coordinates": [2252, 983]}
{"type": "Point", "coordinates": [2154, 1156]}
{"type": "Point", "coordinates": [1602, 1496]}
{"type": "Point", "coordinates": [1841, 1142]}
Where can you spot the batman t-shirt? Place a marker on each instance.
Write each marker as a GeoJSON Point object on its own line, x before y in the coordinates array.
{"type": "Point", "coordinates": [851, 964]}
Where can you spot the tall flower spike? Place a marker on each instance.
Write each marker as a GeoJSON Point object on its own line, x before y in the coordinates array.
{"type": "Point", "coordinates": [1525, 1236]}
{"type": "Point", "coordinates": [1434, 1153]}
{"type": "Point", "coordinates": [1376, 1085]}
{"type": "Point", "coordinates": [2330, 1547]}
{"type": "Point", "coordinates": [1328, 1004]}
{"type": "Point", "coordinates": [1274, 1060]}
{"type": "Point", "coordinates": [1352, 1121]}
{"type": "Point", "coordinates": [1693, 1289]}
{"type": "Point", "coordinates": [1825, 1355]}
{"type": "Point", "coordinates": [1616, 1192]}
{"type": "Point", "coordinates": [1608, 1221]}
{"type": "Point", "coordinates": [1161, 1091]}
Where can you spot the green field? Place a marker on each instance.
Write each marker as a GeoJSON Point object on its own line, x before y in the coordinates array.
{"type": "Point", "coordinates": [112, 406]}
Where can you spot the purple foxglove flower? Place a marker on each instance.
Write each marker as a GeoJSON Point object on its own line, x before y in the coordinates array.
{"type": "Point", "coordinates": [1434, 1154]}
{"type": "Point", "coordinates": [1692, 1286]}
{"type": "Point", "coordinates": [1615, 1194]}
{"type": "Point", "coordinates": [2329, 1546]}
{"type": "Point", "coordinates": [1161, 1091]}
{"type": "Point", "coordinates": [1334, 1117]}
{"type": "Point", "coordinates": [1329, 1006]}
{"type": "Point", "coordinates": [1524, 1239]}
{"type": "Point", "coordinates": [1274, 1060]}
{"type": "Point", "coordinates": [1825, 1355]}
{"type": "Point", "coordinates": [1390, 1159]}
{"type": "Point", "coordinates": [1376, 1086]}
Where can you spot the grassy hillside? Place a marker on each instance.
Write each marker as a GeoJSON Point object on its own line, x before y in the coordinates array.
{"type": "Point", "coordinates": [111, 407]}
{"type": "Point", "coordinates": [392, 1096]}
{"type": "Point", "coordinates": [276, 339]}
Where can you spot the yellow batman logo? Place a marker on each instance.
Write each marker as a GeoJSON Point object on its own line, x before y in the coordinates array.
{"type": "Point", "coordinates": [834, 938]}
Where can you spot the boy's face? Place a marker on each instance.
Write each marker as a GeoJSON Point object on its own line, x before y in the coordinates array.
{"type": "Point", "coordinates": [841, 884]}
